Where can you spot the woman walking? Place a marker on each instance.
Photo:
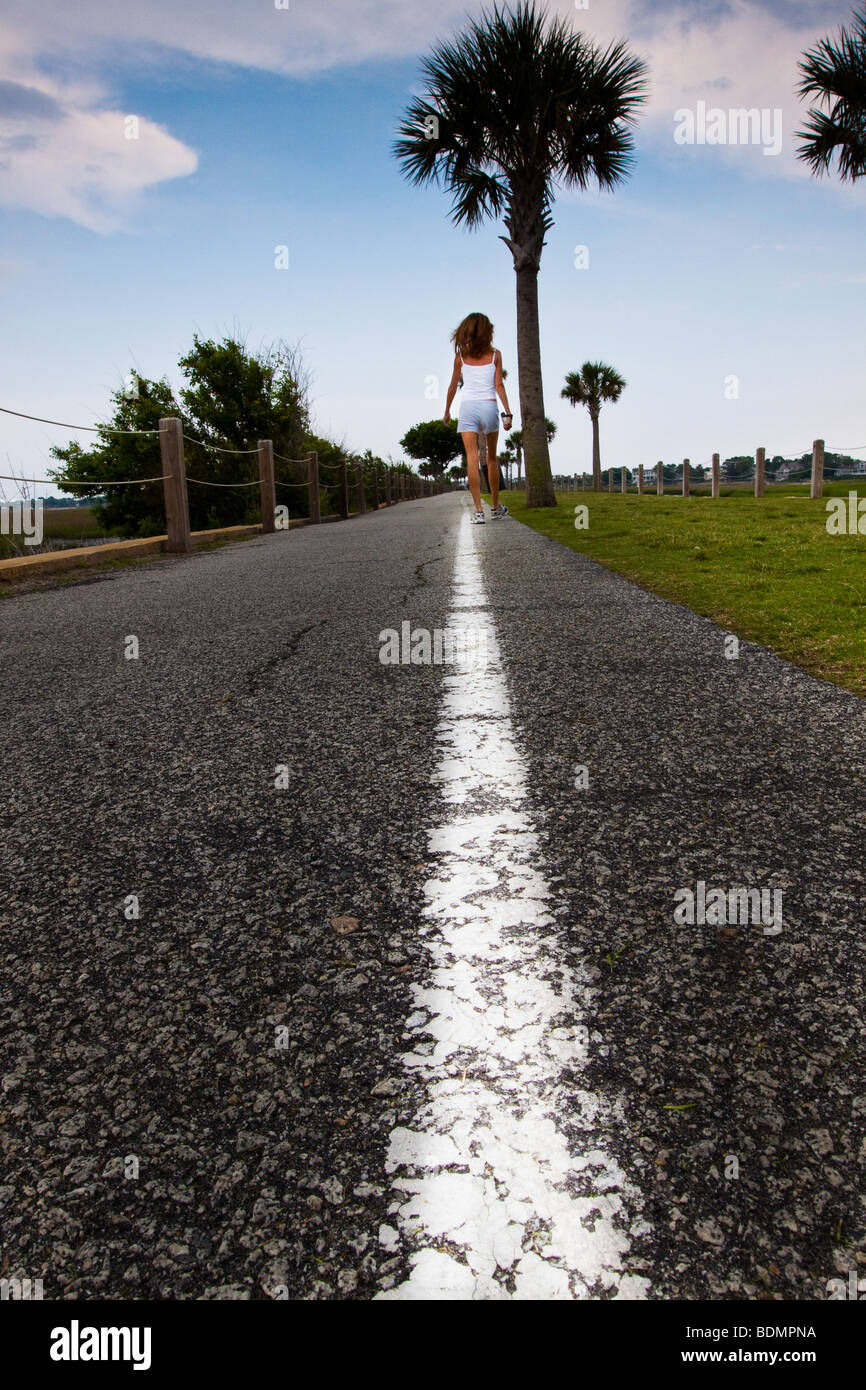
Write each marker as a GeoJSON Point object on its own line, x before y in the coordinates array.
{"type": "Point", "coordinates": [480, 365]}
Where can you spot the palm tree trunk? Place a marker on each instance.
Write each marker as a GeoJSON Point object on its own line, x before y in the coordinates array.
{"type": "Point", "coordinates": [596, 457]}
{"type": "Point", "coordinates": [539, 485]}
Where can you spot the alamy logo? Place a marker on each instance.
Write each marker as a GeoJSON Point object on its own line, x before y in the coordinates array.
{"type": "Point", "coordinates": [418, 646]}
{"type": "Point", "coordinates": [21, 1290]}
{"type": "Point", "coordinates": [739, 126]}
{"type": "Point", "coordinates": [22, 519]}
{"type": "Point", "coordinates": [718, 907]}
{"type": "Point", "coordinates": [855, 1289]}
{"type": "Point", "coordinates": [846, 520]}
{"type": "Point", "coordinates": [77, 1343]}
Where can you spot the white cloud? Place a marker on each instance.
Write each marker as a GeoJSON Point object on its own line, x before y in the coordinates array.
{"type": "Point", "coordinates": [75, 163]}
{"type": "Point", "coordinates": [79, 164]}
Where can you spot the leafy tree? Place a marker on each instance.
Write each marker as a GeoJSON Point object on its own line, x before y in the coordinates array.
{"type": "Point", "coordinates": [835, 73]}
{"type": "Point", "coordinates": [594, 385]}
{"type": "Point", "coordinates": [515, 107]}
{"type": "Point", "coordinates": [126, 511]}
{"type": "Point", "coordinates": [369, 461]}
{"type": "Point", "coordinates": [738, 465]}
{"type": "Point", "coordinates": [232, 399]}
{"type": "Point", "coordinates": [329, 452]}
{"type": "Point", "coordinates": [434, 443]}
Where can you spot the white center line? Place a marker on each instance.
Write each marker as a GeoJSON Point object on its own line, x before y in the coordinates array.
{"type": "Point", "coordinates": [488, 1195]}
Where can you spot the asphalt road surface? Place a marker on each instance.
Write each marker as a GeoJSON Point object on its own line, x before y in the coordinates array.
{"type": "Point", "coordinates": [329, 977]}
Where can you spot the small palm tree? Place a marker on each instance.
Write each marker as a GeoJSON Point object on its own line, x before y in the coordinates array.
{"type": "Point", "coordinates": [592, 386]}
{"type": "Point", "coordinates": [515, 441]}
{"type": "Point", "coordinates": [835, 72]}
{"type": "Point", "coordinates": [515, 107]}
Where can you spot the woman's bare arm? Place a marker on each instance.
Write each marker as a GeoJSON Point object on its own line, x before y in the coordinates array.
{"type": "Point", "coordinates": [500, 385]}
{"type": "Point", "coordinates": [452, 389]}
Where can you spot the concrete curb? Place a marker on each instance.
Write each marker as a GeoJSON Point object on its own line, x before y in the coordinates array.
{"type": "Point", "coordinates": [27, 566]}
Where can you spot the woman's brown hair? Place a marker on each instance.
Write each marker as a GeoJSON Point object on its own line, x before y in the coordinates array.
{"type": "Point", "coordinates": [474, 336]}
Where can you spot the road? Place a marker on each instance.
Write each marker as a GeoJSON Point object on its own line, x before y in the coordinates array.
{"type": "Point", "coordinates": [326, 977]}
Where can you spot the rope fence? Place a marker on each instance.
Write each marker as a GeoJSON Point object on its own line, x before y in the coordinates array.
{"type": "Point", "coordinates": [757, 476]}
{"type": "Point", "coordinates": [91, 429]}
{"type": "Point", "coordinates": [52, 482]}
{"type": "Point", "coordinates": [397, 484]}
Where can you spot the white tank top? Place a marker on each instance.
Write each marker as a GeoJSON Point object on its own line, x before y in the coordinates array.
{"type": "Point", "coordinates": [478, 382]}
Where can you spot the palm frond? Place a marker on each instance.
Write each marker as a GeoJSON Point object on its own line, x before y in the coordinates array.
{"type": "Point", "coordinates": [524, 103]}
{"type": "Point", "coordinates": [595, 384]}
{"type": "Point", "coordinates": [835, 72]}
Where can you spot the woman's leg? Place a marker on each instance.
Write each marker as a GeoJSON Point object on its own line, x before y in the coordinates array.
{"type": "Point", "coordinates": [470, 444]}
{"type": "Point", "coordinates": [493, 468]}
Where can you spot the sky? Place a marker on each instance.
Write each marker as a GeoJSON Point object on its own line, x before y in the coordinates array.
{"type": "Point", "coordinates": [726, 284]}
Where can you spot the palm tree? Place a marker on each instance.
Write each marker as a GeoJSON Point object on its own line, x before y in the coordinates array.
{"type": "Point", "coordinates": [517, 106]}
{"type": "Point", "coordinates": [594, 384]}
{"type": "Point", "coordinates": [515, 442]}
{"type": "Point", "coordinates": [836, 73]}
{"type": "Point", "coordinates": [507, 460]}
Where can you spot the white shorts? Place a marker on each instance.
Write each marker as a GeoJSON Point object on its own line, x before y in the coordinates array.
{"type": "Point", "coordinates": [478, 417]}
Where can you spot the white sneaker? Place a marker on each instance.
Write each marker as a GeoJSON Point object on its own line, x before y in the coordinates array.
{"type": "Point", "coordinates": [478, 519]}
{"type": "Point", "coordinates": [501, 510]}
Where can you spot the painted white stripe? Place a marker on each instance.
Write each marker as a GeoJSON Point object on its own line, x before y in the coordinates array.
{"type": "Point", "coordinates": [488, 1194]}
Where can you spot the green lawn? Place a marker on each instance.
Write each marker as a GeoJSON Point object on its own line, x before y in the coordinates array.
{"type": "Point", "coordinates": [765, 569]}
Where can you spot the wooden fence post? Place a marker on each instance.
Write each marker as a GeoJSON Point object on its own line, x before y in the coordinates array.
{"type": "Point", "coordinates": [660, 479]}
{"type": "Point", "coordinates": [640, 480]}
{"type": "Point", "coordinates": [686, 471]}
{"type": "Point", "coordinates": [375, 488]}
{"type": "Point", "coordinates": [174, 486]}
{"type": "Point", "coordinates": [817, 488]}
{"type": "Point", "coordinates": [623, 480]}
{"type": "Point", "coordinates": [343, 489]}
{"type": "Point", "coordinates": [359, 482]}
{"type": "Point", "coordinates": [267, 489]}
{"type": "Point", "coordinates": [760, 469]}
{"type": "Point", "coordinates": [715, 475]}
{"type": "Point", "coordinates": [313, 480]}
